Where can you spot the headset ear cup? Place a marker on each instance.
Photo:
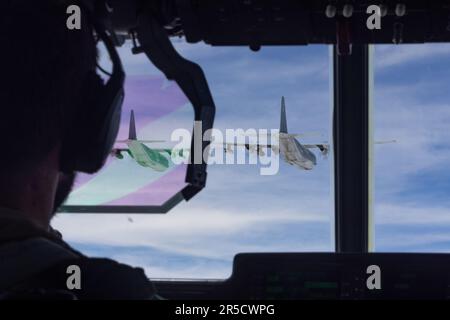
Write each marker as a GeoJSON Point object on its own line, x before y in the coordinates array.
{"type": "Point", "coordinates": [94, 122]}
{"type": "Point", "coordinates": [78, 142]}
{"type": "Point", "coordinates": [90, 139]}
{"type": "Point", "coordinates": [99, 122]}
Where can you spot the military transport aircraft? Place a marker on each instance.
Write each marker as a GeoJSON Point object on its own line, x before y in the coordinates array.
{"type": "Point", "coordinates": [292, 151]}
{"type": "Point", "coordinates": [156, 159]}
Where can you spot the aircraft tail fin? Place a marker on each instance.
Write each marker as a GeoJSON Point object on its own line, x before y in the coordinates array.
{"type": "Point", "coordinates": [283, 121]}
{"type": "Point", "coordinates": [132, 131]}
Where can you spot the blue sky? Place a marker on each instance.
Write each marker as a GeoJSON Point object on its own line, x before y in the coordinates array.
{"type": "Point", "coordinates": [411, 177]}
{"type": "Point", "coordinates": [242, 211]}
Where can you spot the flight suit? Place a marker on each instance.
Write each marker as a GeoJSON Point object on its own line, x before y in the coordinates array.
{"type": "Point", "coordinates": [36, 264]}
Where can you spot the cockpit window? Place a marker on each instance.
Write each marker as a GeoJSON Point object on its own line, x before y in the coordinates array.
{"type": "Point", "coordinates": [412, 106]}
{"type": "Point", "coordinates": [288, 207]}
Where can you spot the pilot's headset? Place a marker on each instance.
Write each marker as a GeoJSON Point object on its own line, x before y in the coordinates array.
{"type": "Point", "coordinates": [87, 146]}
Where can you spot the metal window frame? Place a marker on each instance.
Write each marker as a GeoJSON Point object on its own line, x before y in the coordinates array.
{"type": "Point", "coordinates": [352, 144]}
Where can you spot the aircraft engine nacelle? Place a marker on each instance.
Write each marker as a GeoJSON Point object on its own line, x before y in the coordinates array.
{"type": "Point", "coordinates": [324, 150]}
{"type": "Point", "coordinates": [261, 152]}
{"type": "Point", "coordinates": [251, 148]}
{"type": "Point", "coordinates": [117, 154]}
{"type": "Point", "coordinates": [228, 149]}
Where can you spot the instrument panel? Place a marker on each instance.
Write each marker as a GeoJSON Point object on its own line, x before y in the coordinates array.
{"type": "Point", "coordinates": [328, 276]}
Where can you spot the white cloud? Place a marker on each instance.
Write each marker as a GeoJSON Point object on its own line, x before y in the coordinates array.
{"type": "Point", "coordinates": [410, 214]}
{"type": "Point", "coordinates": [391, 55]}
{"type": "Point", "coordinates": [186, 230]}
{"type": "Point", "coordinates": [404, 242]}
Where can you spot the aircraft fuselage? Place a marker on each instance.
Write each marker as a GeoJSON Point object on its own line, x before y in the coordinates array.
{"type": "Point", "coordinates": [147, 157]}
{"type": "Point", "coordinates": [295, 154]}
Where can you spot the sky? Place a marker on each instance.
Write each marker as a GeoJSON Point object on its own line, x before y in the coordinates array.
{"type": "Point", "coordinates": [292, 211]}
{"type": "Point", "coordinates": [411, 177]}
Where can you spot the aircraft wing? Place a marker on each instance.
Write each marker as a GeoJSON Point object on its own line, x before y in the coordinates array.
{"type": "Point", "coordinates": [323, 147]}
{"type": "Point", "coordinates": [117, 152]}
{"type": "Point", "coordinates": [229, 147]}
{"type": "Point", "coordinates": [141, 141]}
{"type": "Point", "coordinates": [170, 152]}
{"type": "Point", "coordinates": [385, 141]}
